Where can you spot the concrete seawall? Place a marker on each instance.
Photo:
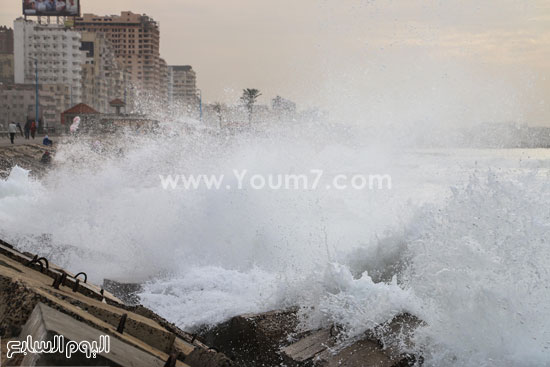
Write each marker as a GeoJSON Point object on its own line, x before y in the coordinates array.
{"type": "Point", "coordinates": [41, 300]}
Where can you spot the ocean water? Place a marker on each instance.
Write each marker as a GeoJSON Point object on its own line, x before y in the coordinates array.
{"type": "Point", "coordinates": [462, 238]}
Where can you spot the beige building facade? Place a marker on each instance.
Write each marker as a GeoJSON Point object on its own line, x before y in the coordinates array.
{"type": "Point", "coordinates": [182, 88]}
{"type": "Point", "coordinates": [6, 68]}
{"type": "Point", "coordinates": [103, 78]}
{"type": "Point", "coordinates": [6, 40]}
{"type": "Point", "coordinates": [164, 80]}
{"type": "Point", "coordinates": [135, 39]}
{"type": "Point", "coordinates": [6, 55]}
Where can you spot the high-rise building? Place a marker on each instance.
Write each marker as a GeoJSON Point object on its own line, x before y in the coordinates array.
{"type": "Point", "coordinates": [56, 50]}
{"type": "Point", "coordinates": [53, 50]}
{"type": "Point", "coordinates": [103, 78]}
{"type": "Point", "coordinates": [6, 40]}
{"type": "Point", "coordinates": [6, 68]}
{"type": "Point", "coordinates": [136, 41]}
{"type": "Point", "coordinates": [182, 88]}
{"type": "Point", "coordinates": [164, 80]}
{"type": "Point", "coordinates": [6, 55]}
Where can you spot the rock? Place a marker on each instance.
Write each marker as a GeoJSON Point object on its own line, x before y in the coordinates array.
{"type": "Point", "coordinates": [263, 340]}
{"type": "Point", "coordinates": [210, 358]}
{"type": "Point", "coordinates": [382, 346]}
{"type": "Point", "coordinates": [361, 353]}
{"type": "Point", "coordinates": [396, 335]}
{"type": "Point", "coordinates": [127, 292]}
{"type": "Point", "coordinates": [305, 350]}
{"type": "Point", "coordinates": [253, 339]}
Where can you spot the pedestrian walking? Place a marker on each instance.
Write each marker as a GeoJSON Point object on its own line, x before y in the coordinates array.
{"type": "Point", "coordinates": [33, 129]}
{"type": "Point", "coordinates": [27, 129]}
{"type": "Point", "coordinates": [12, 130]}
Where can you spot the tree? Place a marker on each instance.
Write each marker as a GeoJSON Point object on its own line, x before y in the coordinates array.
{"type": "Point", "coordinates": [218, 110]}
{"type": "Point", "coordinates": [283, 108]}
{"type": "Point", "coordinates": [276, 102]}
{"type": "Point", "coordinates": [249, 98]}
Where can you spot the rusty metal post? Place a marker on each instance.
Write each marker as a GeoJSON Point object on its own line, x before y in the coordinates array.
{"type": "Point", "coordinates": [75, 286]}
{"type": "Point", "coordinates": [57, 281]}
{"type": "Point", "coordinates": [63, 278]}
{"type": "Point", "coordinates": [122, 323]}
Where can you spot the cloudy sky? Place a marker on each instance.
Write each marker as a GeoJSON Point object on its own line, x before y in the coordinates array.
{"type": "Point", "coordinates": [457, 61]}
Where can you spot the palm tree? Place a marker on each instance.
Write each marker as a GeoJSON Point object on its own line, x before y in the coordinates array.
{"type": "Point", "coordinates": [218, 109]}
{"type": "Point", "coordinates": [249, 97]}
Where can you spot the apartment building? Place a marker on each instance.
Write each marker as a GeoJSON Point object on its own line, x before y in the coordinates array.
{"type": "Point", "coordinates": [182, 88]}
{"type": "Point", "coordinates": [164, 80]}
{"type": "Point", "coordinates": [6, 68]}
{"type": "Point", "coordinates": [135, 39]}
{"type": "Point", "coordinates": [57, 52]}
{"type": "Point", "coordinates": [6, 55]}
{"type": "Point", "coordinates": [103, 78]}
{"type": "Point", "coordinates": [6, 40]}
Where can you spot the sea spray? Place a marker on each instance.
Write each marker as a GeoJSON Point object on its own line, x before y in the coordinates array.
{"type": "Point", "coordinates": [480, 267]}
{"type": "Point", "coordinates": [207, 255]}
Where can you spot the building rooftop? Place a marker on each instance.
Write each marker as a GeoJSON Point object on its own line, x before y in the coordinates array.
{"type": "Point", "coordinates": [82, 109]}
{"type": "Point", "coordinates": [127, 17]}
{"type": "Point", "coordinates": [181, 67]}
{"type": "Point", "coordinates": [117, 103]}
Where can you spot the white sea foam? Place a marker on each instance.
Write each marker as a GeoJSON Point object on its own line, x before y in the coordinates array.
{"type": "Point", "coordinates": [468, 257]}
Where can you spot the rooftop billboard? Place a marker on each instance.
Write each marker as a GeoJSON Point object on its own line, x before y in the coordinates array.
{"type": "Point", "coordinates": [56, 8]}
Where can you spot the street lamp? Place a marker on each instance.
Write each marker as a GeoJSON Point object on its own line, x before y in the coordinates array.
{"type": "Point", "coordinates": [124, 79]}
{"type": "Point", "coordinates": [36, 98]}
{"type": "Point", "coordinates": [200, 103]}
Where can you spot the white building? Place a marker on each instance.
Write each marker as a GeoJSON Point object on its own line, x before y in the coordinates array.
{"type": "Point", "coordinates": [182, 88]}
{"type": "Point", "coordinates": [57, 50]}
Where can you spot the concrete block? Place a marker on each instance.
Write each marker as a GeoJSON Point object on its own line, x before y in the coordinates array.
{"type": "Point", "coordinates": [45, 322]}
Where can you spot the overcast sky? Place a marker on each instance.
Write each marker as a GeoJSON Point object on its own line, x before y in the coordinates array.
{"type": "Point", "coordinates": [453, 60]}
